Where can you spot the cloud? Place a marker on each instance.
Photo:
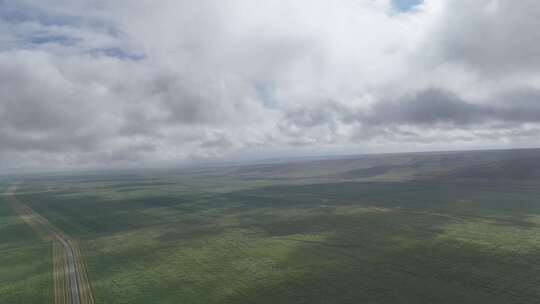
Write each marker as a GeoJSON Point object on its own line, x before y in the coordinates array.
{"type": "Point", "coordinates": [491, 36]}
{"type": "Point", "coordinates": [428, 107]}
{"type": "Point", "coordinates": [439, 113]}
{"type": "Point", "coordinates": [89, 83]}
{"type": "Point", "coordinates": [433, 106]}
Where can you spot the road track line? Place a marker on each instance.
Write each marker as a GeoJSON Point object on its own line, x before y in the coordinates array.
{"type": "Point", "coordinates": [71, 284]}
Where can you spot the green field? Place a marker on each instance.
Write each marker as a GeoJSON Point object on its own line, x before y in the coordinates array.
{"type": "Point", "coordinates": [409, 229]}
{"type": "Point", "coordinates": [25, 260]}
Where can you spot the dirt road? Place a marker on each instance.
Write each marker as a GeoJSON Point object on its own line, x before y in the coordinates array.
{"type": "Point", "coordinates": [71, 283]}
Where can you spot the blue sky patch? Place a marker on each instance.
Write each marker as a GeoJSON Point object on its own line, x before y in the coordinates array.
{"type": "Point", "coordinates": [406, 5]}
{"type": "Point", "coordinates": [266, 94]}
{"type": "Point", "coordinates": [19, 13]}
{"type": "Point", "coordinates": [117, 52]}
{"type": "Point", "coordinates": [57, 39]}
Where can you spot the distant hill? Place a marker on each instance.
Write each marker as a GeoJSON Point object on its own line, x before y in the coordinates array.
{"type": "Point", "coordinates": [520, 169]}
{"type": "Point", "coordinates": [511, 164]}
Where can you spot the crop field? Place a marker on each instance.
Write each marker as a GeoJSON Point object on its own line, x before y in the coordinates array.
{"type": "Point", "coordinates": [449, 233]}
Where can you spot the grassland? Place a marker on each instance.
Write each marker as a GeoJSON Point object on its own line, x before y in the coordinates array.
{"type": "Point", "coordinates": [422, 229]}
{"type": "Point", "coordinates": [25, 260]}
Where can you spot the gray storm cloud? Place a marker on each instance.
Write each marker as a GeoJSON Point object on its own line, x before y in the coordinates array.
{"type": "Point", "coordinates": [90, 83]}
{"type": "Point", "coordinates": [432, 106]}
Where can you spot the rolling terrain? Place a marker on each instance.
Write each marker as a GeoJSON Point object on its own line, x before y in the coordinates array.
{"type": "Point", "coordinates": [453, 227]}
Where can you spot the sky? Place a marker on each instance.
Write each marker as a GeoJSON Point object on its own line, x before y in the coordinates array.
{"type": "Point", "coordinates": [101, 83]}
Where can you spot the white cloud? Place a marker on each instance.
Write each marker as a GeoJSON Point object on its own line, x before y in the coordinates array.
{"type": "Point", "coordinates": [119, 82]}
